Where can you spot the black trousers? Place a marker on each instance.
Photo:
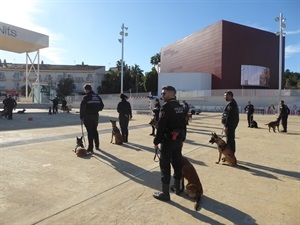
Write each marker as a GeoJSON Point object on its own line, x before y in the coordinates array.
{"type": "Point", "coordinates": [55, 108]}
{"type": "Point", "coordinates": [91, 124]}
{"type": "Point", "coordinates": [9, 112]}
{"type": "Point", "coordinates": [230, 136]}
{"type": "Point", "coordinates": [284, 122]}
{"type": "Point", "coordinates": [249, 118]}
{"type": "Point", "coordinates": [124, 121]}
{"type": "Point", "coordinates": [170, 154]}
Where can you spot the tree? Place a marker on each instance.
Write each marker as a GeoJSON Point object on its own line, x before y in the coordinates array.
{"type": "Point", "coordinates": [151, 81]}
{"type": "Point", "coordinates": [23, 90]}
{"type": "Point", "coordinates": [155, 60]}
{"type": "Point", "coordinates": [65, 87]}
{"type": "Point", "coordinates": [137, 78]}
{"type": "Point", "coordinates": [291, 80]}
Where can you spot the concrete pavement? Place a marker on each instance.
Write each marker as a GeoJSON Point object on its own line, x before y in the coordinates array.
{"type": "Point", "coordinates": [43, 182]}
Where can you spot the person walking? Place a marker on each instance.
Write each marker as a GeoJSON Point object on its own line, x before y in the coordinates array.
{"type": "Point", "coordinates": [230, 119]}
{"type": "Point", "coordinates": [90, 106]}
{"type": "Point", "coordinates": [156, 111]}
{"type": "Point", "coordinates": [170, 135]}
{"type": "Point", "coordinates": [284, 113]}
{"type": "Point", "coordinates": [249, 109]}
{"type": "Point", "coordinates": [10, 104]}
{"type": "Point", "coordinates": [125, 114]}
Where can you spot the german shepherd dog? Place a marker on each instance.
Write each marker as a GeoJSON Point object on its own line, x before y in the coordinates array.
{"type": "Point", "coordinates": [224, 149]}
{"type": "Point", "coordinates": [3, 113]}
{"type": "Point", "coordinates": [274, 124]}
{"type": "Point", "coordinates": [21, 111]}
{"type": "Point", "coordinates": [79, 148]}
{"type": "Point", "coordinates": [254, 124]}
{"type": "Point", "coordinates": [116, 133]}
{"type": "Point", "coordinates": [193, 187]}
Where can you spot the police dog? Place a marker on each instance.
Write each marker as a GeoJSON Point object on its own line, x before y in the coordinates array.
{"type": "Point", "coordinates": [226, 151]}
{"type": "Point", "coordinates": [116, 133]}
{"type": "Point", "coordinates": [274, 124]}
{"type": "Point", "coordinates": [193, 187]}
{"type": "Point", "coordinates": [79, 148]}
{"type": "Point", "coordinates": [21, 111]}
{"type": "Point", "coordinates": [253, 124]}
{"type": "Point", "coordinates": [3, 113]}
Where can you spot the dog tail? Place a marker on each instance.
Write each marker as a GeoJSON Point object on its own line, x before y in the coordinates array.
{"type": "Point", "coordinates": [197, 203]}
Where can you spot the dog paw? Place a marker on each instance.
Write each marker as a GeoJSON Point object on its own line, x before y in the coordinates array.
{"type": "Point", "coordinates": [217, 162]}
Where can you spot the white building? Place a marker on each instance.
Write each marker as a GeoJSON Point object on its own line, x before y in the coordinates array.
{"type": "Point", "coordinates": [13, 76]}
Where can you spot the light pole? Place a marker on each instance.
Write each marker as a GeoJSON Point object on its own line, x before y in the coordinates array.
{"type": "Point", "coordinates": [280, 34]}
{"type": "Point", "coordinates": [122, 33]}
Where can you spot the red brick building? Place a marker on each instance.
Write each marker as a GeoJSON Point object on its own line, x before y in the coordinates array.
{"type": "Point", "coordinates": [221, 49]}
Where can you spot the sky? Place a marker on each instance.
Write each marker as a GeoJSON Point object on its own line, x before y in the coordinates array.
{"type": "Point", "coordinates": [88, 30]}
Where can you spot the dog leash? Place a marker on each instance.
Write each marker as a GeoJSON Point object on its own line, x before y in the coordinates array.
{"type": "Point", "coordinates": [156, 155]}
{"type": "Point", "coordinates": [82, 132]}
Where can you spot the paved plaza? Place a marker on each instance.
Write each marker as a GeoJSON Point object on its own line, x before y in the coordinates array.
{"type": "Point", "coordinates": [43, 182]}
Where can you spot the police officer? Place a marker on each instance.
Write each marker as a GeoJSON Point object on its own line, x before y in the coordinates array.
{"type": "Point", "coordinates": [125, 114]}
{"type": "Point", "coordinates": [55, 104]}
{"type": "Point", "coordinates": [10, 104]}
{"type": "Point", "coordinates": [284, 113]}
{"type": "Point", "coordinates": [230, 119]}
{"type": "Point", "coordinates": [250, 110]}
{"type": "Point", "coordinates": [90, 105]}
{"type": "Point", "coordinates": [170, 134]}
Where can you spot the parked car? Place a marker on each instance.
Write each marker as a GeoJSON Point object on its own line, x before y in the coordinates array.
{"type": "Point", "coordinates": [194, 110]}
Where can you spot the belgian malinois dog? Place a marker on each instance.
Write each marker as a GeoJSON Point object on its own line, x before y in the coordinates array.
{"type": "Point", "coordinates": [79, 148]}
{"type": "Point", "coordinates": [115, 132]}
{"type": "Point", "coordinates": [226, 151]}
{"type": "Point", "coordinates": [274, 124]}
{"type": "Point", "coordinates": [193, 187]}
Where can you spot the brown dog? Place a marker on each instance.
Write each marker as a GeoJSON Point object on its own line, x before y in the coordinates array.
{"type": "Point", "coordinates": [274, 124]}
{"type": "Point", "coordinates": [194, 187]}
{"type": "Point", "coordinates": [224, 149]}
{"type": "Point", "coordinates": [79, 149]}
{"type": "Point", "coordinates": [116, 133]}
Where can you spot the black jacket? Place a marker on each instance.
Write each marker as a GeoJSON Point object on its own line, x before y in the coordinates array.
{"type": "Point", "coordinates": [124, 108]}
{"type": "Point", "coordinates": [249, 109]}
{"type": "Point", "coordinates": [91, 104]}
{"type": "Point", "coordinates": [172, 118]}
{"type": "Point", "coordinates": [230, 116]}
{"type": "Point", "coordinates": [10, 103]}
{"type": "Point", "coordinates": [284, 111]}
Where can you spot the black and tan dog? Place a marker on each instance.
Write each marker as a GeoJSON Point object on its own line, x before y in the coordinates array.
{"type": "Point", "coordinates": [3, 113]}
{"type": "Point", "coordinates": [226, 151]}
{"type": "Point", "coordinates": [116, 133]}
{"type": "Point", "coordinates": [21, 111]}
{"type": "Point", "coordinates": [274, 124]}
{"type": "Point", "coordinates": [79, 148]}
{"type": "Point", "coordinates": [193, 187]}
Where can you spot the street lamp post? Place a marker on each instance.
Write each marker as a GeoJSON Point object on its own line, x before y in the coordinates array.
{"type": "Point", "coordinates": [280, 34]}
{"type": "Point", "coordinates": [122, 33]}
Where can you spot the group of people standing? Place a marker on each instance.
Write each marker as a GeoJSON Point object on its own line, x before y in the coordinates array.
{"type": "Point", "coordinates": [170, 129]}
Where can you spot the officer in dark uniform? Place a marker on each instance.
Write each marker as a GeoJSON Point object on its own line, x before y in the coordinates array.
{"type": "Point", "coordinates": [170, 134]}
{"type": "Point", "coordinates": [284, 113]}
{"type": "Point", "coordinates": [55, 104]}
{"type": "Point", "coordinates": [125, 114]}
{"type": "Point", "coordinates": [10, 104]}
{"type": "Point", "coordinates": [250, 110]}
{"type": "Point", "coordinates": [90, 105]}
{"type": "Point", "coordinates": [230, 119]}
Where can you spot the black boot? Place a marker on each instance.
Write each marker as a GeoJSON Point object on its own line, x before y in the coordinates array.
{"type": "Point", "coordinates": [163, 195]}
{"type": "Point", "coordinates": [176, 187]}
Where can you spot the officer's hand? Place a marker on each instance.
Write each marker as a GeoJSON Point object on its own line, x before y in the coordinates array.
{"type": "Point", "coordinates": [156, 147]}
{"type": "Point", "coordinates": [225, 129]}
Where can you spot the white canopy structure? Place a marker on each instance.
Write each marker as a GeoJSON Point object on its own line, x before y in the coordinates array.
{"type": "Point", "coordinates": [19, 40]}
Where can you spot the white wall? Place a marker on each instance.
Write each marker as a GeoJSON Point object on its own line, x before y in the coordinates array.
{"type": "Point", "coordinates": [185, 81]}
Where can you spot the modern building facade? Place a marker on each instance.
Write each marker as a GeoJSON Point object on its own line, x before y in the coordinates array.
{"type": "Point", "coordinates": [236, 56]}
